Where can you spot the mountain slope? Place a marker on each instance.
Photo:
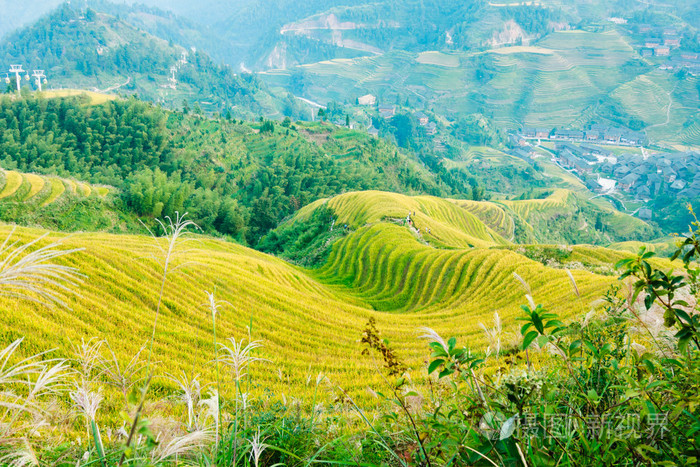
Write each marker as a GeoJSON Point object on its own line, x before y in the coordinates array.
{"type": "Point", "coordinates": [234, 178]}
{"type": "Point", "coordinates": [94, 50]}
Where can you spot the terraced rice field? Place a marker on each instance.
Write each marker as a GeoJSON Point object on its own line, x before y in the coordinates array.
{"type": "Point", "coordinates": [309, 320]}
{"type": "Point", "coordinates": [57, 189]}
{"type": "Point", "coordinates": [450, 226]}
{"type": "Point", "coordinates": [523, 208]}
{"type": "Point", "coordinates": [40, 189]}
{"type": "Point", "coordinates": [439, 59]}
{"type": "Point", "coordinates": [557, 83]}
{"type": "Point", "coordinates": [36, 183]}
{"type": "Point", "coordinates": [13, 180]}
{"type": "Point", "coordinates": [490, 214]}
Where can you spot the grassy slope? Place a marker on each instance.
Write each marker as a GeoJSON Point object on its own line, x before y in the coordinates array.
{"type": "Point", "coordinates": [311, 320]}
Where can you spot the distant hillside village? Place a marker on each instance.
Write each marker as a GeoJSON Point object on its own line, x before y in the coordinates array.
{"type": "Point", "coordinates": [640, 177]}
{"type": "Point", "coordinates": [601, 134]}
{"type": "Point", "coordinates": [672, 45]}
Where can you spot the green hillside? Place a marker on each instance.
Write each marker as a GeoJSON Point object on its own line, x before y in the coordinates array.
{"type": "Point", "coordinates": [91, 50]}
{"type": "Point", "coordinates": [234, 178]}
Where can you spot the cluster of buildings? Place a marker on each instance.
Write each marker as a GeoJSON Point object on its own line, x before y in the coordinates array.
{"type": "Point", "coordinates": [642, 178]}
{"type": "Point", "coordinates": [666, 42]}
{"type": "Point", "coordinates": [598, 133]}
{"type": "Point", "coordinates": [658, 41]}
{"type": "Point", "coordinates": [676, 174]}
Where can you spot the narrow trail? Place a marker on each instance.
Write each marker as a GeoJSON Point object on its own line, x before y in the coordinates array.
{"type": "Point", "coordinates": [310, 102]}
{"type": "Point", "coordinates": [115, 87]}
{"type": "Point", "coordinates": [668, 109]}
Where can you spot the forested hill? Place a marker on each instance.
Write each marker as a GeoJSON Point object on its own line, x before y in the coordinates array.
{"type": "Point", "coordinates": [235, 178]}
{"type": "Point", "coordinates": [92, 50]}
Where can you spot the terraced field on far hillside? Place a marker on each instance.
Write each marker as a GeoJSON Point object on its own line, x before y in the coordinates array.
{"type": "Point", "coordinates": [561, 81]}
{"type": "Point", "coordinates": [42, 190]}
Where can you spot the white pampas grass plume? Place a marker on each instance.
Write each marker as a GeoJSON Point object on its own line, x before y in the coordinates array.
{"type": "Point", "coordinates": [257, 446]}
{"type": "Point", "coordinates": [180, 445]}
{"type": "Point", "coordinates": [525, 285]}
{"type": "Point", "coordinates": [432, 335]}
{"type": "Point", "coordinates": [32, 275]}
{"type": "Point", "coordinates": [573, 283]}
{"type": "Point", "coordinates": [238, 357]}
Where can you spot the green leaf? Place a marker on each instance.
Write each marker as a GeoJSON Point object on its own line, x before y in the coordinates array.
{"type": "Point", "coordinates": [98, 443]}
{"type": "Point", "coordinates": [574, 346]}
{"type": "Point", "coordinates": [529, 337]}
{"type": "Point", "coordinates": [451, 343]}
{"type": "Point", "coordinates": [434, 365]}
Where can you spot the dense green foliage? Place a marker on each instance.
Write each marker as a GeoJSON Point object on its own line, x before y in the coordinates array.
{"type": "Point", "coordinates": [231, 179]}
{"type": "Point", "coordinates": [306, 242]}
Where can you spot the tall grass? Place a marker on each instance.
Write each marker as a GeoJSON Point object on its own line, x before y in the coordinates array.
{"type": "Point", "coordinates": [28, 271]}
{"type": "Point", "coordinates": [174, 232]}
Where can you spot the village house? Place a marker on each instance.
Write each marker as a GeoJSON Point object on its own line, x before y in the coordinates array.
{"type": "Point", "coordinates": [540, 133]}
{"type": "Point", "coordinates": [662, 51]}
{"type": "Point", "coordinates": [431, 128]}
{"type": "Point", "coordinates": [611, 136]}
{"type": "Point", "coordinates": [596, 150]}
{"type": "Point", "coordinates": [373, 131]}
{"type": "Point", "coordinates": [368, 99]}
{"type": "Point", "coordinates": [576, 150]}
{"type": "Point", "coordinates": [669, 175]}
{"type": "Point", "coordinates": [592, 135]}
{"type": "Point", "coordinates": [387, 112]}
{"type": "Point", "coordinates": [670, 32]}
{"type": "Point", "coordinates": [622, 170]}
{"type": "Point", "coordinates": [692, 191]}
{"type": "Point", "coordinates": [628, 181]}
{"type": "Point", "coordinates": [422, 118]}
{"type": "Point", "coordinates": [673, 41]}
{"type": "Point", "coordinates": [678, 185]}
{"type": "Point", "coordinates": [568, 134]}
{"type": "Point", "coordinates": [645, 214]}
{"type": "Point", "coordinates": [643, 193]}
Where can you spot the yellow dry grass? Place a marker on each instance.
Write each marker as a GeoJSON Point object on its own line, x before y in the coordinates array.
{"type": "Point", "coordinates": [96, 98]}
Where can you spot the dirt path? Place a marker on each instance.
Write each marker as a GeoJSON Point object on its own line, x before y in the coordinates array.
{"type": "Point", "coordinates": [668, 109]}
{"type": "Point", "coordinates": [115, 87]}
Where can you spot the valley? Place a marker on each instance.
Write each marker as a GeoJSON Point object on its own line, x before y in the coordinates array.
{"type": "Point", "coordinates": [339, 232]}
